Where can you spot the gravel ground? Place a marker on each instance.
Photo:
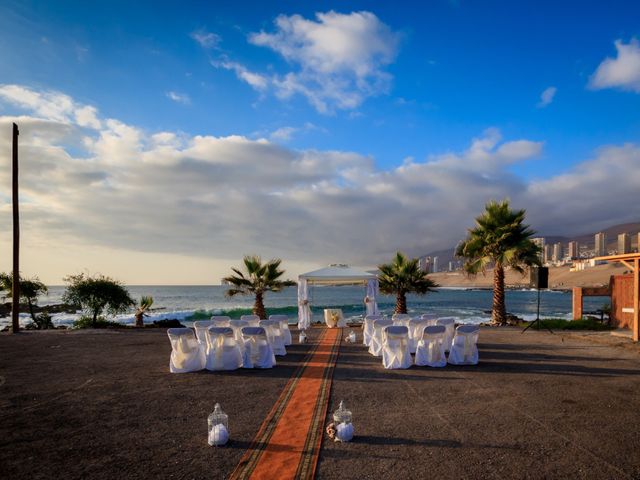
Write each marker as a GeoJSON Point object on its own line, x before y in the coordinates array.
{"type": "Point", "coordinates": [102, 405]}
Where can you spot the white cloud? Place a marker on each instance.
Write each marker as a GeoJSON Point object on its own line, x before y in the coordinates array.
{"type": "Point", "coordinates": [546, 97]}
{"type": "Point", "coordinates": [177, 97]}
{"type": "Point", "coordinates": [338, 59]}
{"type": "Point", "coordinates": [284, 134]}
{"type": "Point", "coordinates": [205, 39]}
{"type": "Point", "coordinates": [126, 190]}
{"type": "Point", "coordinates": [620, 72]}
{"type": "Point", "coordinates": [256, 80]}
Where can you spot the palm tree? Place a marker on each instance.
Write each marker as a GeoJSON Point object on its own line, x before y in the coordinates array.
{"type": "Point", "coordinates": [502, 240]}
{"type": "Point", "coordinates": [259, 278]}
{"type": "Point", "coordinates": [403, 276]}
{"type": "Point", "coordinates": [141, 309]}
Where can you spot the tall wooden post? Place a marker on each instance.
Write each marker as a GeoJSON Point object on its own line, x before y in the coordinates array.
{"type": "Point", "coordinates": [15, 305]}
{"type": "Point", "coordinates": [636, 300]}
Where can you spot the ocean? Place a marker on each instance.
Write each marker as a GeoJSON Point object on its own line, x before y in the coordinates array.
{"type": "Point", "coordinates": [189, 303]}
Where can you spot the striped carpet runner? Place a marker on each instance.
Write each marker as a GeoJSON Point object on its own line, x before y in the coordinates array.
{"type": "Point", "coordinates": [288, 442]}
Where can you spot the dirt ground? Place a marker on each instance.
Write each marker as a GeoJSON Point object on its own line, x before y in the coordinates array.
{"type": "Point", "coordinates": [103, 405]}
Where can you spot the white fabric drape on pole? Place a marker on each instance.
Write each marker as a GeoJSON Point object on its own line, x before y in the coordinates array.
{"type": "Point", "coordinates": [371, 300]}
{"type": "Point", "coordinates": [304, 311]}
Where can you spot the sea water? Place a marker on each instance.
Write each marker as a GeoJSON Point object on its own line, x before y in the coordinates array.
{"type": "Point", "coordinates": [190, 303]}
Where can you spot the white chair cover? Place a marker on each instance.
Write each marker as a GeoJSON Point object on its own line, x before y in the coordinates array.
{"type": "Point", "coordinates": [200, 327]}
{"type": "Point", "coordinates": [430, 317]}
{"type": "Point", "coordinates": [274, 335]}
{"type": "Point", "coordinates": [375, 345]}
{"type": "Point", "coordinates": [395, 349]}
{"type": "Point", "coordinates": [450, 324]}
{"type": "Point", "coordinates": [223, 352]}
{"type": "Point", "coordinates": [464, 348]}
{"type": "Point", "coordinates": [254, 320]}
{"type": "Point", "coordinates": [284, 326]}
{"type": "Point", "coordinates": [187, 355]}
{"type": "Point", "coordinates": [430, 348]}
{"type": "Point", "coordinates": [220, 320]}
{"type": "Point", "coordinates": [237, 326]}
{"type": "Point", "coordinates": [416, 327]}
{"type": "Point", "coordinates": [401, 319]}
{"type": "Point", "coordinates": [257, 349]}
{"type": "Point", "coordinates": [367, 328]}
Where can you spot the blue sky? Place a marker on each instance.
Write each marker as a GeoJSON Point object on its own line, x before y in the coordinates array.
{"type": "Point", "coordinates": [431, 79]}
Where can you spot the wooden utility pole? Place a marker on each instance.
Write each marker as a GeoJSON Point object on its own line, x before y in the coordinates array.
{"type": "Point", "coordinates": [15, 305]}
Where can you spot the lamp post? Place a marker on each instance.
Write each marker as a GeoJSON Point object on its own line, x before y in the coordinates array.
{"type": "Point", "coordinates": [15, 300]}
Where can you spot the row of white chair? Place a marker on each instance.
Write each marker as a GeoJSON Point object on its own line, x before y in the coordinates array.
{"type": "Point", "coordinates": [225, 344]}
{"type": "Point", "coordinates": [395, 339]}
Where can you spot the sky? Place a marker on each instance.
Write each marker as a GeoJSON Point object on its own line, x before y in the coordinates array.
{"type": "Point", "coordinates": [162, 141]}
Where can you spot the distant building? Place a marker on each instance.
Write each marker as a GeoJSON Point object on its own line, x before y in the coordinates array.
{"type": "Point", "coordinates": [435, 264]}
{"type": "Point", "coordinates": [423, 264]}
{"type": "Point", "coordinates": [624, 243]}
{"type": "Point", "coordinates": [540, 242]}
{"type": "Point", "coordinates": [600, 248]}
{"type": "Point", "coordinates": [574, 250]}
{"type": "Point", "coordinates": [638, 243]}
{"type": "Point", "coordinates": [547, 254]}
{"type": "Point", "coordinates": [558, 252]}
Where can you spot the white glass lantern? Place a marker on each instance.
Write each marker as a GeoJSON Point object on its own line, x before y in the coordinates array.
{"type": "Point", "coordinates": [218, 427]}
{"type": "Point", "coordinates": [343, 425]}
{"type": "Point", "coordinates": [303, 337]}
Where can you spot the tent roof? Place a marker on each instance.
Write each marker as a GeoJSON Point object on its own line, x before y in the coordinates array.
{"type": "Point", "coordinates": [337, 274]}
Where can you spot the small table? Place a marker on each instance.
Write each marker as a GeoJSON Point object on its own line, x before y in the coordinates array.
{"type": "Point", "coordinates": [333, 318]}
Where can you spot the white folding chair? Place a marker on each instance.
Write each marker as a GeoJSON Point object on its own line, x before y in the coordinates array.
{"type": "Point", "coordinates": [200, 326]}
{"type": "Point", "coordinates": [430, 348]}
{"type": "Point", "coordinates": [401, 319]}
{"type": "Point", "coordinates": [395, 347]}
{"type": "Point", "coordinates": [223, 352]}
{"type": "Point", "coordinates": [430, 317]}
{"type": "Point", "coordinates": [254, 320]}
{"type": "Point", "coordinates": [187, 355]}
{"type": "Point", "coordinates": [416, 326]}
{"type": "Point", "coordinates": [464, 348]}
{"type": "Point", "coordinates": [367, 328]}
{"type": "Point", "coordinates": [450, 324]}
{"type": "Point", "coordinates": [257, 349]}
{"type": "Point", "coordinates": [237, 326]}
{"type": "Point", "coordinates": [375, 346]}
{"type": "Point", "coordinates": [274, 334]}
{"type": "Point", "coordinates": [220, 320]}
{"type": "Point", "coordinates": [284, 326]}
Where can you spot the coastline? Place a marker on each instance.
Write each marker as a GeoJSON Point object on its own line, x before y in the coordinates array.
{"type": "Point", "coordinates": [560, 278]}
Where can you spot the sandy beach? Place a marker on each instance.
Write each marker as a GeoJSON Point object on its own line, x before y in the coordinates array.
{"type": "Point", "coordinates": [102, 405]}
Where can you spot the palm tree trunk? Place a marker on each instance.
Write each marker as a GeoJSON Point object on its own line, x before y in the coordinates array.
{"type": "Point", "coordinates": [258, 306]}
{"type": "Point", "coordinates": [498, 313]}
{"type": "Point", "coordinates": [401, 302]}
{"type": "Point", "coordinates": [139, 319]}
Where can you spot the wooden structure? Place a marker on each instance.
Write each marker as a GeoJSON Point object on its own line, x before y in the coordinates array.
{"type": "Point", "coordinates": [632, 262]}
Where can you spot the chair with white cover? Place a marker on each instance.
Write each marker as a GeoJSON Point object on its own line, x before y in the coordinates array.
{"type": "Point", "coordinates": [254, 320]}
{"type": "Point", "coordinates": [237, 326]}
{"type": "Point", "coordinates": [395, 347]}
{"type": "Point", "coordinates": [450, 324]}
{"type": "Point", "coordinates": [401, 319]}
{"type": "Point", "coordinates": [223, 352]}
{"type": "Point", "coordinates": [275, 336]}
{"type": "Point", "coordinates": [367, 328]}
{"type": "Point", "coordinates": [464, 348]}
{"type": "Point", "coordinates": [187, 355]}
{"type": "Point", "coordinates": [416, 327]}
{"type": "Point", "coordinates": [220, 320]}
{"type": "Point", "coordinates": [200, 327]}
{"type": "Point", "coordinates": [430, 317]}
{"type": "Point", "coordinates": [375, 345]}
{"type": "Point", "coordinates": [430, 348]}
{"type": "Point", "coordinates": [257, 349]}
{"type": "Point", "coordinates": [284, 326]}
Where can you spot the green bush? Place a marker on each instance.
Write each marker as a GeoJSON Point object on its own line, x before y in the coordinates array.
{"type": "Point", "coordinates": [86, 321]}
{"type": "Point", "coordinates": [583, 324]}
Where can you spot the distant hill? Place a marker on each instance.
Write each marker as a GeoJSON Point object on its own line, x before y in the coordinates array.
{"type": "Point", "coordinates": [585, 240]}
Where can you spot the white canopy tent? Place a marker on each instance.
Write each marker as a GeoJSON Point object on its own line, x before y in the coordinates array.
{"type": "Point", "coordinates": [337, 274]}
